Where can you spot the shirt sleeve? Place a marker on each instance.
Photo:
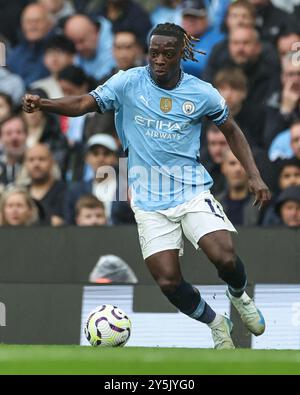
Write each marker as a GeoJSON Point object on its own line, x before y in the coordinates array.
{"type": "Point", "coordinates": [216, 107]}
{"type": "Point", "coordinates": [109, 96]}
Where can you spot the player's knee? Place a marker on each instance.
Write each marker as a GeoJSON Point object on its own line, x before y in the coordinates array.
{"type": "Point", "coordinates": [225, 260]}
{"type": "Point", "coordinates": [168, 286]}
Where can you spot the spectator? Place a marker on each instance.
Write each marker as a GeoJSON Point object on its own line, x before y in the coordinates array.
{"type": "Point", "coordinates": [195, 22]}
{"type": "Point", "coordinates": [12, 85]}
{"type": "Point", "coordinates": [44, 128]}
{"type": "Point", "coordinates": [58, 9]}
{"type": "Point", "coordinates": [93, 40]}
{"type": "Point", "coordinates": [26, 59]}
{"type": "Point", "coordinates": [127, 51]}
{"type": "Point", "coordinates": [288, 42]}
{"type": "Point", "coordinates": [271, 21]}
{"type": "Point", "coordinates": [233, 86]}
{"type": "Point", "coordinates": [212, 158]}
{"type": "Point", "coordinates": [6, 106]}
{"type": "Point", "coordinates": [240, 13]}
{"type": "Point", "coordinates": [17, 208]}
{"type": "Point", "coordinates": [167, 11]}
{"type": "Point", "coordinates": [288, 207]}
{"type": "Point", "coordinates": [246, 52]}
{"type": "Point", "coordinates": [236, 200]}
{"type": "Point", "coordinates": [289, 175]}
{"type": "Point", "coordinates": [59, 53]}
{"type": "Point", "coordinates": [90, 211]}
{"type": "Point", "coordinates": [283, 106]}
{"type": "Point", "coordinates": [13, 134]}
{"type": "Point", "coordinates": [128, 15]}
{"type": "Point", "coordinates": [47, 192]}
{"type": "Point", "coordinates": [101, 152]}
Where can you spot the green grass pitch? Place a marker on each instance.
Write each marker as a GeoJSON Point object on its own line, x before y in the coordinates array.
{"type": "Point", "coordinates": [15, 359]}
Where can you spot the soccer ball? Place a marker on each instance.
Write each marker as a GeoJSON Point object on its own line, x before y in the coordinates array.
{"type": "Point", "coordinates": [107, 326]}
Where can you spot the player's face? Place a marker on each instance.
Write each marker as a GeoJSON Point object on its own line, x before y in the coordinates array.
{"type": "Point", "coordinates": [164, 58]}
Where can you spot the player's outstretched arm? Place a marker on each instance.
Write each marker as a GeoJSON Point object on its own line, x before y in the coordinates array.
{"type": "Point", "coordinates": [72, 106]}
{"type": "Point", "coordinates": [241, 149]}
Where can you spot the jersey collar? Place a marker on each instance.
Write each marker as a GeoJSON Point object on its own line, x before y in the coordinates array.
{"type": "Point", "coordinates": [154, 83]}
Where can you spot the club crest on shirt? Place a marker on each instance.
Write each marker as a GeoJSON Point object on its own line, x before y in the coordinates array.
{"type": "Point", "coordinates": [188, 107]}
{"type": "Point", "coordinates": [166, 104]}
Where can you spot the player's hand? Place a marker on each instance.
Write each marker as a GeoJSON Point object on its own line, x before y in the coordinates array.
{"type": "Point", "coordinates": [260, 190]}
{"type": "Point", "coordinates": [31, 103]}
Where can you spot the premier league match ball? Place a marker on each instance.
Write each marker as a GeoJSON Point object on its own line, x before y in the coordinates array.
{"type": "Point", "coordinates": [107, 326]}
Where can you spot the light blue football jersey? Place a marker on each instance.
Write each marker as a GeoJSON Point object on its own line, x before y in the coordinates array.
{"type": "Point", "coordinates": [161, 129]}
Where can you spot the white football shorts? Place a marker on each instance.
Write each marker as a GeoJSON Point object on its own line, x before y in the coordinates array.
{"type": "Point", "coordinates": [162, 230]}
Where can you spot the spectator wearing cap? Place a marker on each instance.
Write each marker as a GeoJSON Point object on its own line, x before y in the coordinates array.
{"type": "Point", "coordinates": [26, 59]}
{"type": "Point", "coordinates": [101, 153]}
{"type": "Point", "coordinates": [90, 211]}
{"type": "Point", "coordinates": [93, 40]}
{"type": "Point", "coordinates": [195, 22]}
{"type": "Point", "coordinates": [289, 176]}
{"type": "Point", "coordinates": [59, 53]}
{"type": "Point", "coordinates": [288, 207]}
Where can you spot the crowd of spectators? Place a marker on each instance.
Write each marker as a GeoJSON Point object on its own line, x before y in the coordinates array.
{"type": "Point", "coordinates": [49, 164]}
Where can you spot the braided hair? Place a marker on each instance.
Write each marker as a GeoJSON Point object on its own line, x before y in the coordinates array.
{"type": "Point", "coordinates": [170, 29]}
